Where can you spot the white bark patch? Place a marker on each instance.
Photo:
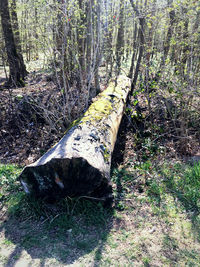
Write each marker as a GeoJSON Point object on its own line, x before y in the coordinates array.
{"type": "Point", "coordinates": [25, 187]}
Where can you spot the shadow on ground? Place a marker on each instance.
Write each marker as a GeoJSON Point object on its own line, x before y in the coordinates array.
{"type": "Point", "coordinates": [59, 239]}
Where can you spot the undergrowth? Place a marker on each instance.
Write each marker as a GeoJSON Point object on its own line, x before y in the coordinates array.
{"type": "Point", "coordinates": [25, 207]}
{"type": "Point", "coordinates": [179, 179]}
{"type": "Point", "coordinates": [8, 179]}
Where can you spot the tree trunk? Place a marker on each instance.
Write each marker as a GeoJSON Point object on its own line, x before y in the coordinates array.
{"type": "Point", "coordinates": [141, 40]}
{"type": "Point", "coordinates": [98, 51]}
{"type": "Point", "coordinates": [169, 35]}
{"type": "Point", "coordinates": [186, 47]}
{"type": "Point", "coordinates": [79, 165]}
{"type": "Point", "coordinates": [15, 59]}
{"type": "Point", "coordinates": [130, 75]}
{"type": "Point", "coordinates": [141, 50]}
{"type": "Point", "coordinates": [15, 26]}
{"type": "Point", "coordinates": [120, 38]}
{"type": "Point", "coordinates": [81, 32]}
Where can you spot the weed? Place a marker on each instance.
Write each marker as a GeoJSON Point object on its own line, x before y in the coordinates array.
{"type": "Point", "coordinates": [107, 262]}
{"type": "Point", "coordinates": [7, 242]}
{"type": "Point", "coordinates": [14, 204]}
{"type": "Point", "coordinates": [155, 191]}
{"type": "Point", "coordinates": [16, 257]}
{"type": "Point", "coordinates": [184, 182]}
{"type": "Point", "coordinates": [63, 222]}
{"type": "Point", "coordinates": [169, 242]}
{"type": "Point", "coordinates": [8, 179]}
{"type": "Point", "coordinates": [122, 178]}
{"type": "Point", "coordinates": [123, 181]}
{"type": "Point", "coordinates": [131, 253]}
{"type": "Point", "coordinates": [11, 193]}
{"type": "Point", "coordinates": [146, 261]}
{"type": "Point", "coordinates": [3, 260]}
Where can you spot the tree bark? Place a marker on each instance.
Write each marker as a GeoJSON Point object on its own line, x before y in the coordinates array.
{"type": "Point", "coordinates": [186, 47]}
{"type": "Point", "coordinates": [130, 75]}
{"type": "Point", "coordinates": [120, 38]}
{"type": "Point", "coordinates": [15, 26]}
{"type": "Point", "coordinates": [15, 59]}
{"type": "Point", "coordinates": [81, 32]}
{"type": "Point", "coordinates": [141, 50]}
{"type": "Point", "coordinates": [98, 49]}
{"type": "Point", "coordinates": [169, 34]}
{"type": "Point", "coordinates": [79, 164]}
{"type": "Point", "coordinates": [141, 40]}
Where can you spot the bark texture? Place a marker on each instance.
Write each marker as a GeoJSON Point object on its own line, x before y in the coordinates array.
{"type": "Point", "coordinates": [15, 60]}
{"type": "Point", "coordinates": [79, 164]}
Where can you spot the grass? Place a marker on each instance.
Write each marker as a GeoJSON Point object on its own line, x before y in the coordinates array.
{"type": "Point", "coordinates": [9, 186]}
{"type": "Point", "coordinates": [181, 180]}
{"type": "Point", "coordinates": [8, 175]}
{"type": "Point", "coordinates": [154, 221]}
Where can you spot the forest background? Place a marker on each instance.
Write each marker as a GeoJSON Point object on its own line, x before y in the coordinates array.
{"type": "Point", "coordinates": [55, 57]}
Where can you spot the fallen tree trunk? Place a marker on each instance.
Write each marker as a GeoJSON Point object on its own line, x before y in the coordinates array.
{"type": "Point", "coordinates": [79, 164]}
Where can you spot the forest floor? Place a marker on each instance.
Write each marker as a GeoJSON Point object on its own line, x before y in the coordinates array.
{"type": "Point", "coordinates": [24, 136]}
{"type": "Point", "coordinates": [154, 220]}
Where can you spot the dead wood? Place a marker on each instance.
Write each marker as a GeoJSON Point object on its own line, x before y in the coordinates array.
{"type": "Point", "coordinates": [79, 164]}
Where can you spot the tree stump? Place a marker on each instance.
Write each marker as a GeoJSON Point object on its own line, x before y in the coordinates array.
{"type": "Point", "coordinates": [79, 164]}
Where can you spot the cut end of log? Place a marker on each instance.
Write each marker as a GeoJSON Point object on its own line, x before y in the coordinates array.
{"type": "Point", "coordinates": [63, 177]}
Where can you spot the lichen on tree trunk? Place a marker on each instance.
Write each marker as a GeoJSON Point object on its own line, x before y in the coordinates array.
{"type": "Point", "coordinates": [79, 164]}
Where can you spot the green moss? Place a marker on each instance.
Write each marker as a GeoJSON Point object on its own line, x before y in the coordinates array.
{"type": "Point", "coordinates": [106, 154]}
{"type": "Point", "coordinates": [99, 109]}
{"type": "Point", "coordinates": [74, 123]}
{"type": "Point", "coordinates": [103, 106]}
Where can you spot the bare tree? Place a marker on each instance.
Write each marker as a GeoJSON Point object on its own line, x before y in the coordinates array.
{"type": "Point", "coordinates": [15, 60]}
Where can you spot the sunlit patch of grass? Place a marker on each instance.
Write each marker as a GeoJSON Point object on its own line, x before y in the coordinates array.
{"type": "Point", "coordinates": [8, 178]}
{"type": "Point", "coordinates": [7, 242]}
{"type": "Point", "coordinates": [3, 260]}
{"type": "Point", "coordinates": [11, 193]}
{"type": "Point", "coordinates": [183, 181]}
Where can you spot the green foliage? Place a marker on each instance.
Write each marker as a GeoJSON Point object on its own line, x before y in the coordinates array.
{"type": "Point", "coordinates": [123, 181]}
{"type": "Point", "coordinates": [8, 173]}
{"type": "Point", "coordinates": [121, 174]}
{"type": "Point", "coordinates": [155, 191]}
{"type": "Point", "coordinates": [184, 181]}
{"type": "Point", "coordinates": [8, 178]}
